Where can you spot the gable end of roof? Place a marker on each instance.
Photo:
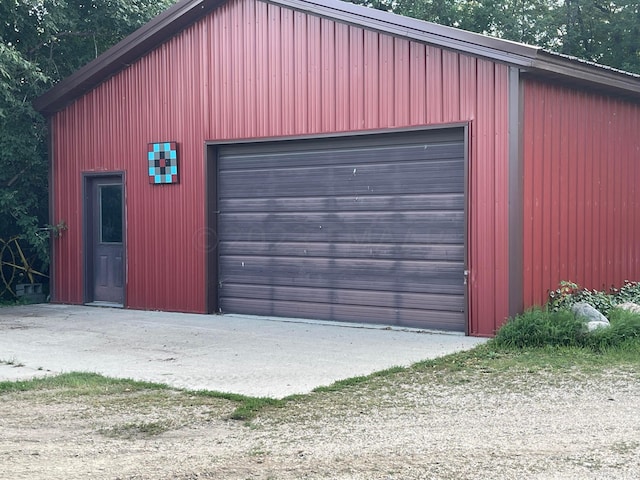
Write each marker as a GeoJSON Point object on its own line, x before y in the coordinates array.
{"type": "Point", "coordinates": [528, 58]}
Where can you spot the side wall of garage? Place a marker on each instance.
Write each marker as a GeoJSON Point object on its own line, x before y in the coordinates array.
{"type": "Point", "coordinates": [254, 70]}
{"type": "Point", "coordinates": [581, 153]}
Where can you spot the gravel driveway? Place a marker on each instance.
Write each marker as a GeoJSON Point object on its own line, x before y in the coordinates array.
{"type": "Point", "coordinates": [424, 423]}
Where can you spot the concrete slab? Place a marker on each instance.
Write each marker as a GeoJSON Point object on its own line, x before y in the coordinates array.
{"type": "Point", "coordinates": [254, 356]}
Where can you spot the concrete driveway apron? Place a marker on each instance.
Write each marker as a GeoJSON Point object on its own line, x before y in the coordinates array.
{"type": "Point", "coordinates": [255, 356]}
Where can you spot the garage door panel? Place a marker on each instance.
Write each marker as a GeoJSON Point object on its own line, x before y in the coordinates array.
{"type": "Point", "coordinates": [303, 235]}
{"type": "Point", "coordinates": [428, 319]}
{"type": "Point", "coordinates": [329, 229]}
{"type": "Point", "coordinates": [379, 275]}
{"type": "Point", "coordinates": [373, 155]}
{"type": "Point", "coordinates": [433, 177]}
{"type": "Point", "coordinates": [394, 227]}
{"type": "Point", "coordinates": [344, 297]}
{"type": "Point", "coordinates": [406, 251]}
{"type": "Point", "coordinates": [401, 203]}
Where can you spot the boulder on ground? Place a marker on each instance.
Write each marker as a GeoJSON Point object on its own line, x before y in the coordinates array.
{"type": "Point", "coordinates": [591, 316]}
{"type": "Point", "coordinates": [629, 307]}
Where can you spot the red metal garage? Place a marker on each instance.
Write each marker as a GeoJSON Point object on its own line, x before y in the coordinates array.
{"type": "Point", "coordinates": [548, 167]}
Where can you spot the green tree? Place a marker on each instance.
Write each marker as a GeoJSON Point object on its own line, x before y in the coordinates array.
{"type": "Point", "coordinates": [23, 165]}
{"type": "Point", "coordinates": [41, 42]}
{"type": "Point", "coordinates": [606, 32]}
{"type": "Point", "coordinates": [525, 21]}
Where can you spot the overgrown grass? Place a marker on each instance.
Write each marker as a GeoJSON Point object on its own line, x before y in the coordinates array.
{"type": "Point", "coordinates": [623, 334]}
{"type": "Point", "coordinates": [541, 328]}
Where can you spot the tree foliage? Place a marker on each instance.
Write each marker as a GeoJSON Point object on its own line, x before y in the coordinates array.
{"type": "Point", "coordinates": [602, 31]}
{"type": "Point", "coordinates": [23, 165]}
{"type": "Point", "coordinates": [41, 42]}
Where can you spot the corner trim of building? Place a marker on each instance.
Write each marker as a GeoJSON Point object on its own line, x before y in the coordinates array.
{"type": "Point", "coordinates": [211, 228]}
{"type": "Point", "coordinates": [468, 329]}
{"type": "Point", "coordinates": [516, 249]}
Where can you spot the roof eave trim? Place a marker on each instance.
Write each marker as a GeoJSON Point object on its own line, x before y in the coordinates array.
{"type": "Point", "coordinates": [413, 29]}
{"type": "Point", "coordinates": [550, 64]}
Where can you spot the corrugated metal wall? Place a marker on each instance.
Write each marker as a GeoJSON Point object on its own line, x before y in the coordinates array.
{"type": "Point", "coordinates": [252, 69]}
{"type": "Point", "coordinates": [581, 197]}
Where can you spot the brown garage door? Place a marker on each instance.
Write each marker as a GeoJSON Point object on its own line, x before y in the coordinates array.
{"type": "Point", "coordinates": [366, 229]}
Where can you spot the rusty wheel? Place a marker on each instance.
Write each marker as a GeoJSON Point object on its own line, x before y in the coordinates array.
{"type": "Point", "coordinates": [15, 267]}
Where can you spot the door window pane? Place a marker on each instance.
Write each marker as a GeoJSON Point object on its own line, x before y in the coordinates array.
{"type": "Point", "coordinates": [110, 213]}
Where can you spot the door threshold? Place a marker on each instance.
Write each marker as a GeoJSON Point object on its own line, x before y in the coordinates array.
{"type": "Point", "coordinates": [104, 304]}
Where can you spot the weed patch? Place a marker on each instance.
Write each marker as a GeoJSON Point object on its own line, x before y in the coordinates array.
{"type": "Point", "coordinates": [543, 328]}
{"type": "Point", "coordinates": [80, 383]}
{"type": "Point", "coordinates": [539, 328]}
{"type": "Point", "coordinates": [12, 362]}
{"type": "Point", "coordinates": [137, 429]}
{"type": "Point", "coordinates": [353, 381]}
{"type": "Point", "coordinates": [568, 294]}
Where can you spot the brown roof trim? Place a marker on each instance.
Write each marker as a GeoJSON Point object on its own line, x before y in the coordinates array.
{"type": "Point", "coordinates": [582, 72]}
{"type": "Point", "coordinates": [419, 30]}
{"type": "Point", "coordinates": [121, 55]}
{"type": "Point", "coordinates": [528, 58]}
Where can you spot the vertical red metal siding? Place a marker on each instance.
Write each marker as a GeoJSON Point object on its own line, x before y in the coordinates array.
{"type": "Point", "coordinates": [252, 69]}
{"type": "Point", "coordinates": [108, 130]}
{"type": "Point", "coordinates": [581, 203]}
{"type": "Point", "coordinates": [417, 82]}
{"type": "Point", "coordinates": [371, 85]}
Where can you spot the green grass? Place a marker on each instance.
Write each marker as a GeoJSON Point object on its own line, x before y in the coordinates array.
{"type": "Point", "coordinates": [86, 384]}
{"type": "Point", "coordinates": [80, 383]}
{"type": "Point", "coordinates": [11, 302]}
{"type": "Point", "coordinates": [248, 407]}
{"type": "Point", "coordinates": [492, 357]}
{"type": "Point", "coordinates": [541, 328]}
{"type": "Point", "coordinates": [354, 381]}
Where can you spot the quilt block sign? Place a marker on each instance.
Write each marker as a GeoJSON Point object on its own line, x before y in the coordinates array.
{"type": "Point", "coordinates": [163, 162]}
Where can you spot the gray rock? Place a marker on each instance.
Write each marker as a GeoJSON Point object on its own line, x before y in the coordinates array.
{"type": "Point", "coordinates": [630, 307]}
{"type": "Point", "coordinates": [593, 319]}
{"type": "Point", "coordinates": [596, 324]}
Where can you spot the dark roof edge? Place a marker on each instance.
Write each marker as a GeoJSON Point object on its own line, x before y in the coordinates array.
{"type": "Point", "coordinates": [398, 25]}
{"type": "Point", "coordinates": [556, 65]}
{"type": "Point", "coordinates": [160, 28]}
